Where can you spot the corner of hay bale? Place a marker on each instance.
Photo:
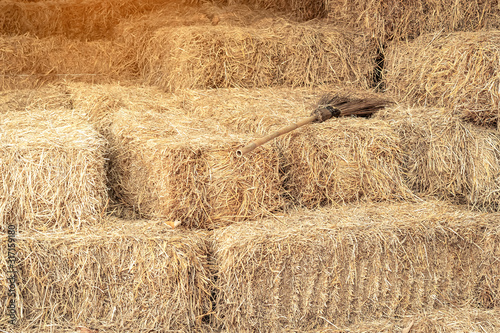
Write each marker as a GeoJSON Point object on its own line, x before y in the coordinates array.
{"type": "Point", "coordinates": [172, 167]}
{"type": "Point", "coordinates": [447, 157]}
{"type": "Point", "coordinates": [458, 71]}
{"type": "Point", "coordinates": [344, 160]}
{"type": "Point", "coordinates": [122, 275]}
{"type": "Point", "coordinates": [283, 54]}
{"type": "Point", "coordinates": [53, 170]}
{"type": "Point", "coordinates": [345, 266]}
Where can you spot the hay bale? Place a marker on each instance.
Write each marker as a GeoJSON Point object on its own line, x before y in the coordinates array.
{"type": "Point", "coordinates": [28, 62]}
{"type": "Point", "coordinates": [338, 161]}
{"type": "Point", "coordinates": [342, 161]}
{"type": "Point", "coordinates": [350, 265]}
{"type": "Point", "coordinates": [448, 158]}
{"type": "Point", "coordinates": [53, 170]}
{"type": "Point", "coordinates": [281, 55]}
{"type": "Point", "coordinates": [457, 71]}
{"type": "Point", "coordinates": [122, 275]}
{"type": "Point", "coordinates": [85, 20]}
{"type": "Point", "coordinates": [399, 19]}
{"type": "Point", "coordinates": [169, 166]}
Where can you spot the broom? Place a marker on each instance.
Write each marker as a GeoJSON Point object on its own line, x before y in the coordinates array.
{"type": "Point", "coordinates": [329, 106]}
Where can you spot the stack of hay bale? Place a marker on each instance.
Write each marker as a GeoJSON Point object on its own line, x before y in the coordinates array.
{"type": "Point", "coordinates": [353, 224]}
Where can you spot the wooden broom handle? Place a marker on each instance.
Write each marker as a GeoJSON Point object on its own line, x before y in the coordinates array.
{"type": "Point", "coordinates": [251, 146]}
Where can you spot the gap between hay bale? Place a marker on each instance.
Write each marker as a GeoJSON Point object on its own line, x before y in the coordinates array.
{"type": "Point", "coordinates": [352, 265]}
{"type": "Point", "coordinates": [282, 54]}
{"type": "Point", "coordinates": [53, 170]}
{"type": "Point", "coordinates": [169, 166]}
{"type": "Point", "coordinates": [458, 71]}
{"type": "Point", "coordinates": [125, 275]}
{"type": "Point", "coordinates": [447, 157]}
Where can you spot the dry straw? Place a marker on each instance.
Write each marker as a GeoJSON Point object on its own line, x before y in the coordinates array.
{"type": "Point", "coordinates": [336, 162]}
{"type": "Point", "coordinates": [53, 170]}
{"type": "Point", "coordinates": [281, 54]}
{"type": "Point", "coordinates": [449, 320]}
{"type": "Point", "coordinates": [302, 10]}
{"type": "Point", "coordinates": [166, 165]}
{"type": "Point", "coordinates": [27, 62]}
{"type": "Point", "coordinates": [86, 20]}
{"type": "Point", "coordinates": [343, 160]}
{"type": "Point", "coordinates": [448, 158]}
{"type": "Point", "coordinates": [47, 97]}
{"type": "Point", "coordinates": [123, 276]}
{"type": "Point", "coordinates": [400, 19]}
{"type": "Point", "coordinates": [458, 71]}
{"type": "Point", "coordinates": [352, 265]}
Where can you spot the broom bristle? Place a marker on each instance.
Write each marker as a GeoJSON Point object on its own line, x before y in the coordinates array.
{"type": "Point", "coordinates": [362, 107]}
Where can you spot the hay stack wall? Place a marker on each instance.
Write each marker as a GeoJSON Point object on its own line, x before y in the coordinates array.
{"type": "Point", "coordinates": [447, 157]}
{"type": "Point", "coordinates": [28, 62]}
{"type": "Point", "coordinates": [53, 170]}
{"type": "Point", "coordinates": [125, 275]}
{"type": "Point", "coordinates": [457, 71]}
{"type": "Point", "coordinates": [282, 54]}
{"type": "Point", "coordinates": [168, 166]}
{"type": "Point", "coordinates": [356, 264]}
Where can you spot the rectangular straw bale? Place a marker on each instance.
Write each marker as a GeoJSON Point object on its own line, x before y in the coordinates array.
{"type": "Point", "coordinates": [53, 170]}
{"type": "Point", "coordinates": [27, 62]}
{"type": "Point", "coordinates": [282, 54]}
{"type": "Point", "coordinates": [85, 20]}
{"type": "Point", "coordinates": [400, 19]}
{"type": "Point", "coordinates": [172, 167]}
{"type": "Point", "coordinates": [351, 265]}
{"type": "Point", "coordinates": [343, 160]}
{"type": "Point", "coordinates": [447, 157]}
{"type": "Point", "coordinates": [458, 71]}
{"type": "Point", "coordinates": [124, 275]}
